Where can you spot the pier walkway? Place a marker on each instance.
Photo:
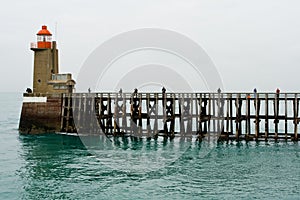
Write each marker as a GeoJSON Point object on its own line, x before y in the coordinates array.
{"type": "Point", "coordinates": [230, 116]}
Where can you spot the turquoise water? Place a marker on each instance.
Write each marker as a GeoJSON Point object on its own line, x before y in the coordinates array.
{"type": "Point", "coordinates": [60, 167]}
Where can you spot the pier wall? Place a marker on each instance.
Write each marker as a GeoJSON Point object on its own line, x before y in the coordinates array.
{"type": "Point", "coordinates": [40, 114]}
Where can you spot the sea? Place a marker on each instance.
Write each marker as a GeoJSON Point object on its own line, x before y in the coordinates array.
{"type": "Point", "coordinates": [52, 166]}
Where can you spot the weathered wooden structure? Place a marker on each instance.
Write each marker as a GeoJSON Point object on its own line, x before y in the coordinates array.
{"type": "Point", "coordinates": [231, 116]}
{"type": "Point", "coordinates": [51, 106]}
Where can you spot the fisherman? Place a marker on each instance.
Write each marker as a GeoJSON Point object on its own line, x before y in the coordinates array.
{"type": "Point", "coordinates": [121, 93]}
{"type": "Point", "coordinates": [255, 92]}
{"type": "Point", "coordinates": [163, 90]}
{"type": "Point", "coordinates": [89, 90]}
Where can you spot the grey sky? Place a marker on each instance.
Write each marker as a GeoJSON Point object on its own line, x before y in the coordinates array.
{"type": "Point", "coordinates": [254, 43]}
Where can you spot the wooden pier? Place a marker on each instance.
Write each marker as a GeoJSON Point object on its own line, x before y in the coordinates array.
{"type": "Point", "coordinates": [229, 116]}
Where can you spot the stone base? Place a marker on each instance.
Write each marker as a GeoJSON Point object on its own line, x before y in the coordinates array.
{"type": "Point", "coordinates": [39, 117]}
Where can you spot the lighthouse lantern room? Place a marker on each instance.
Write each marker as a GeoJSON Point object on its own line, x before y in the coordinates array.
{"type": "Point", "coordinates": [44, 38]}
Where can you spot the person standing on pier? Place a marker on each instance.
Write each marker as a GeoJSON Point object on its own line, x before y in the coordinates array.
{"type": "Point", "coordinates": [163, 90]}
{"type": "Point", "coordinates": [120, 92]}
{"type": "Point", "coordinates": [134, 94]}
{"type": "Point", "coordinates": [255, 95]}
{"type": "Point", "coordinates": [276, 109]}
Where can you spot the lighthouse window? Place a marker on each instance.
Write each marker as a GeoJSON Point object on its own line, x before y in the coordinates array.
{"type": "Point", "coordinates": [48, 38]}
{"type": "Point", "coordinates": [39, 38]}
{"type": "Point", "coordinates": [60, 77]}
{"type": "Point", "coordinates": [59, 87]}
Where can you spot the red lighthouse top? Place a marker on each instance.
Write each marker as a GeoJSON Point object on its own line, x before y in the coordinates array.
{"type": "Point", "coordinates": [44, 31]}
{"type": "Point", "coordinates": [44, 39]}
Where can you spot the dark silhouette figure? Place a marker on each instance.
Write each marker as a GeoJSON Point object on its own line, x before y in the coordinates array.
{"type": "Point", "coordinates": [28, 90]}
{"type": "Point", "coordinates": [163, 90]}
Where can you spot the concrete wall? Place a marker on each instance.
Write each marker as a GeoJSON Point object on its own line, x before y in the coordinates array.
{"type": "Point", "coordinates": [41, 117]}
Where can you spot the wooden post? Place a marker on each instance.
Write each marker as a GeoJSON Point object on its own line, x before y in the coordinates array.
{"type": "Point", "coordinates": [148, 116]}
{"type": "Point", "coordinates": [231, 113]}
{"type": "Point", "coordinates": [209, 114]}
{"type": "Point", "coordinates": [115, 115]}
{"type": "Point", "coordinates": [285, 117]}
{"type": "Point", "coordinates": [165, 128]}
{"type": "Point", "coordinates": [124, 114]}
{"type": "Point", "coordinates": [214, 113]}
{"type": "Point", "coordinates": [140, 122]}
{"type": "Point", "coordinates": [92, 114]}
{"type": "Point", "coordinates": [227, 114]}
{"type": "Point", "coordinates": [109, 115]}
{"type": "Point", "coordinates": [155, 130]}
{"type": "Point", "coordinates": [218, 117]}
{"type": "Point", "coordinates": [257, 119]}
{"type": "Point", "coordinates": [172, 126]}
{"type": "Point", "coordinates": [276, 110]}
{"type": "Point", "coordinates": [247, 132]}
{"type": "Point", "coordinates": [200, 115]}
{"type": "Point", "coordinates": [191, 109]}
{"type": "Point", "coordinates": [266, 116]}
{"type": "Point", "coordinates": [296, 117]}
{"type": "Point", "coordinates": [79, 108]}
{"type": "Point", "coordinates": [237, 117]}
{"type": "Point", "coordinates": [197, 112]}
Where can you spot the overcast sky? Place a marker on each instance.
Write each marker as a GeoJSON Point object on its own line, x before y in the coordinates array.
{"type": "Point", "coordinates": [253, 43]}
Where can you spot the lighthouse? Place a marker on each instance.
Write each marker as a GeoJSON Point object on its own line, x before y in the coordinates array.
{"type": "Point", "coordinates": [42, 107]}
{"type": "Point", "coordinates": [46, 77]}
